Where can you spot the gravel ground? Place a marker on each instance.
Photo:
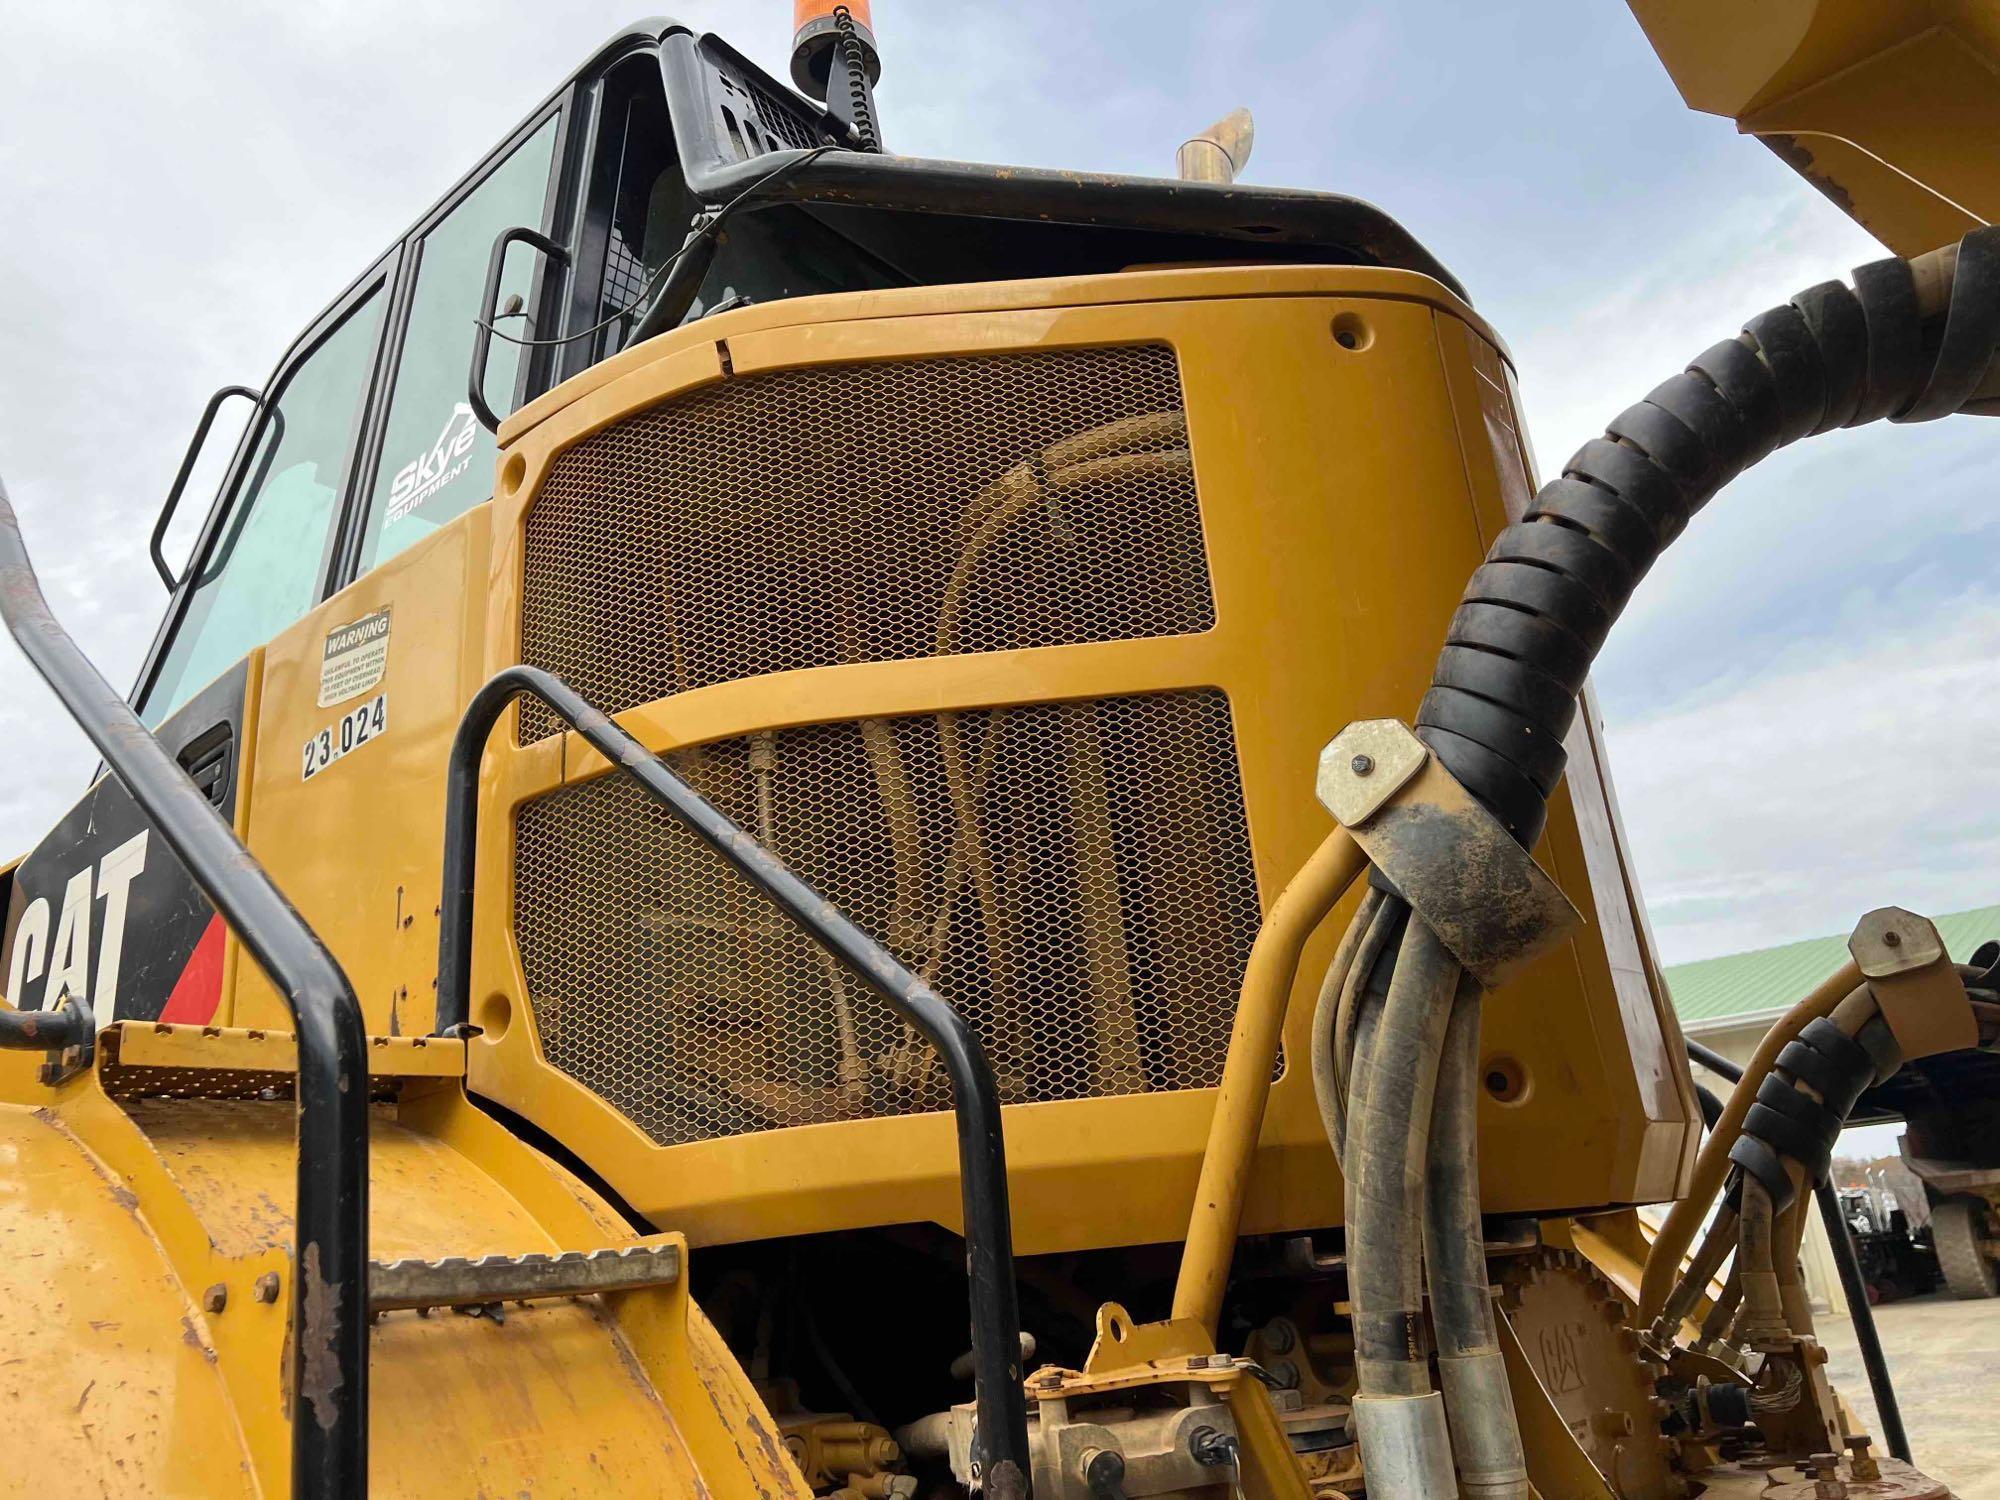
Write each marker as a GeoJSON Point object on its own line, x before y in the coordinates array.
{"type": "Point", "coordinates": [1945, 1358]}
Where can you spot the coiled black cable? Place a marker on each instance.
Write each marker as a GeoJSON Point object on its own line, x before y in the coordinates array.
{"type": "Point", "coordinates": [1535, 613]}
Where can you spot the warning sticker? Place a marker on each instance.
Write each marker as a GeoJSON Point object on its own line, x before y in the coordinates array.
{"type": "Point", "coordinates": [355, 658]}
{"type": "Point", "coordinates": [356, 728]}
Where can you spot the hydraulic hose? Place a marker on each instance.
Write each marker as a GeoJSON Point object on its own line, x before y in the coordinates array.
{"type": "Point", "coordinates": [1712, 1166]}
{"type": "Point", "coordinates": [1479, 1404]}
{"type": "Point", "coordinates": [1534, 614]}
{"type": "Point", "coordinates": [1246, 1073]}
{"type": "Point", "coordinates": [1387, 1152]}
{"type": "Point", "coordinates": [1326, 1087]}
{"type": "Point", "coordinates": [1910, 342]}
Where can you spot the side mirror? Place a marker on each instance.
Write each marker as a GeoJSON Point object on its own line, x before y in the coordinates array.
{"type": "Point", "coordinates": [195, 445]}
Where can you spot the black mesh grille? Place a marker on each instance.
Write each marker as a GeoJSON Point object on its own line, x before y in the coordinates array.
{"type": "Point", "coordinates": [871, 512]}
{"type": "Point", "coordinates": [1075, 878]}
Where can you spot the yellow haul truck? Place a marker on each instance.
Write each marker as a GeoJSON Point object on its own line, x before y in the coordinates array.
{"type": "Point", "coordinates": [770, 848]}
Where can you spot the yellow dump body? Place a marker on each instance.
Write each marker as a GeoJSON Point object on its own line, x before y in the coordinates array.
{"type": "Point", "coordinates": [151, 1312]}
{"type": "Point", "coordinates": [1890, 110]}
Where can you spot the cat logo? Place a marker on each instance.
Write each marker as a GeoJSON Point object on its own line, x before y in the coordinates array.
{"type": "Point", "coordinates": [67, 959]}
{"type": "Point", "coordinates": [419, 481]}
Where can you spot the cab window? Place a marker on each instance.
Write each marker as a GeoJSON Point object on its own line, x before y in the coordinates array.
{"type": "Point", "coordinates": [436, 460]}
{"type": "Point", "coordinates": [265, 562]}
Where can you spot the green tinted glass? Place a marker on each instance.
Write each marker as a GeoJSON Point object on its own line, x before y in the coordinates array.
{"type": "Point", "coordinates": [437, 461]}
{"type": "Point", "coordinates": [264, 569]}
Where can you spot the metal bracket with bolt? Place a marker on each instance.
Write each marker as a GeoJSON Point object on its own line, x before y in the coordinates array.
{"type": "Point", "coordinates": [1455, 863]}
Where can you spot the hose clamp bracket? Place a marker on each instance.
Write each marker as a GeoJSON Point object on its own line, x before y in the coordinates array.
{"type": "Point", "coordinates": [1914, 981]}
{"type": "Point", "coordinates": [1484, 896]}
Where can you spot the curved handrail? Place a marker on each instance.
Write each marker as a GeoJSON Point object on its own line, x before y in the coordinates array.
{"type": "Point", "coordinates": [1001, 1432]}
{"type": "Point", "coordinates": [329, 1341]}
{"type": "Point", "coordinates": [194, 447]}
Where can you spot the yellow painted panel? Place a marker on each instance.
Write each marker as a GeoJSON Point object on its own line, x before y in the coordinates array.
{"type": "Point", "coordinates": [358, 847]}
{"type": "Point", "coordinates": [1346, 494]}
{"type": "Point", "coordinates": [101, 1353]}
{"type": "Point", "coordinates": [1890, 110]}
{"type": "Point", "coordinates": [118, 1219]}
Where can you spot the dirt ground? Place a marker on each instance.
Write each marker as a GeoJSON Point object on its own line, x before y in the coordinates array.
{"type": "Point", "coordinates": [1945, 1358]}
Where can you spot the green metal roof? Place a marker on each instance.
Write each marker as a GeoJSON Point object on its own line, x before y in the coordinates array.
{"type": "Point", "coordinates": [1771, 979]}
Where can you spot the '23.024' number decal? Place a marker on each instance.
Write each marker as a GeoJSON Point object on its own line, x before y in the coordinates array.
{"type": "Point", "coordinates": [355, 729]}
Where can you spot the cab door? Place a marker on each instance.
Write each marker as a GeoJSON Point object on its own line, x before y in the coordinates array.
{"type": "Point", "coordinates": [101, 909]}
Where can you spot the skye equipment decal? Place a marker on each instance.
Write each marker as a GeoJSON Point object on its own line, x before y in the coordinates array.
{"type": "Point", "coordinates": [419, 480]}
{"type": "Point", "coordinates": [353, 730]}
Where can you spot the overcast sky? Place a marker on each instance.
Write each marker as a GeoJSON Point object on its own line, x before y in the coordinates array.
{"type": "Point", "coordinates": [1801, 706]}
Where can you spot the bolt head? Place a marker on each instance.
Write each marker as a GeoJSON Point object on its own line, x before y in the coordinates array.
{"type": "Point", "coordinates": [215, 1298]}
{"type": "Point", "coordinates": [265, 1288]}
{"type": "Point", "coordinates": [1362, 765]}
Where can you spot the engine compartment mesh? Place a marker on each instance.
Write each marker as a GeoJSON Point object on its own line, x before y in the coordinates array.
{"type": "Point", "coordinates": [866, 512]}
{"type": "Point", "coordinates": [1075, 878]}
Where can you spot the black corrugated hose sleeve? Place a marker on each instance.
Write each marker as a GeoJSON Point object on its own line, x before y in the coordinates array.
{"type": "Point", "coordinates": [1536, 612]}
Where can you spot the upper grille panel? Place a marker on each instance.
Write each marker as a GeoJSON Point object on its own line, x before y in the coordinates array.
{"type": "Point", "coordinates": [871, 512]}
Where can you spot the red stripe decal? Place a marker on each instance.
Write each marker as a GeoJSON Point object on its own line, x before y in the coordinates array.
{"type": "Point", "coordinates": [199, 989]}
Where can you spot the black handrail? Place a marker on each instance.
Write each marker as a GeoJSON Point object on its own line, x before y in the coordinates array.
{"type": "Point", "coordinates": [482, 337]}
{"type": "Point", "coordinates": [1881, 1385]}
{"type": "Point", "coordinates": [1001, 1431]}
{"type": "Point", "coordinates": [329, 1338]}
{"type": "Point", "coordinates": [194, 447]}
{"type": "Point", "coordinates": [47, 1030]}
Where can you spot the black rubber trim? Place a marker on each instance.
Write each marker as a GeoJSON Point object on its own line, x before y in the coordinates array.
{"type": "Point", "coordinates": [1855, 1069]}
{"type": "Point", "coordinates": [1542, 701]}
{"type": "Point", "coordinates": [1761, 1162]}
{"type": "Point", "coordinates": [1612, 522]}
{"type": "Point", "coordinates": [1786, 344]}
{"type": "Point", "coordinates": [1887, 292]}
{"type": "Point", "coordinates": [1747, 387]}
{"type": "Point", "coordinates": [1551, 595]}
{"type": "Point", "coordinates": [1830, 356]}
{"type": "Point", "coordinates": [1884, 1051]}
{"type": "Point", "coordinates": [1496, 781]}
{"type": "Point", "coordinates": [1971, 329]}
{"type": "Point", "coordinates": [1706, 412]}
{"type": "Point", "coordinates": [1575, 553]}
{"type": "Point", "coordinates": [1810, 1067]}
{"type": "Point", "coordinates": [1538, 755]}
{"type": "Point", "coordinates": [1520, 632]}
{"type": "Point", "coordinates": [1801, 1140]}
{"type": "Point", "coordinates": [1834, 320]}
{"type": "Point", "coordinates": [1667, 441]}
{"type": "Point", "coordinates": [1637, 480]}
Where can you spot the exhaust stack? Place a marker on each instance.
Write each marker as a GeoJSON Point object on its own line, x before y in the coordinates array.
{"type": "Point", "coordinates": [1220, 152]}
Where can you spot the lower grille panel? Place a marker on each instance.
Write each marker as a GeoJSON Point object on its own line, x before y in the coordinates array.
{"type": "Point", "coordinates": [1075, 878]}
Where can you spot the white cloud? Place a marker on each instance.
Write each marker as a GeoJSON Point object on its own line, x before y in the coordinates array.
{"type": "Point", "coordinates": [1790, 805]}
